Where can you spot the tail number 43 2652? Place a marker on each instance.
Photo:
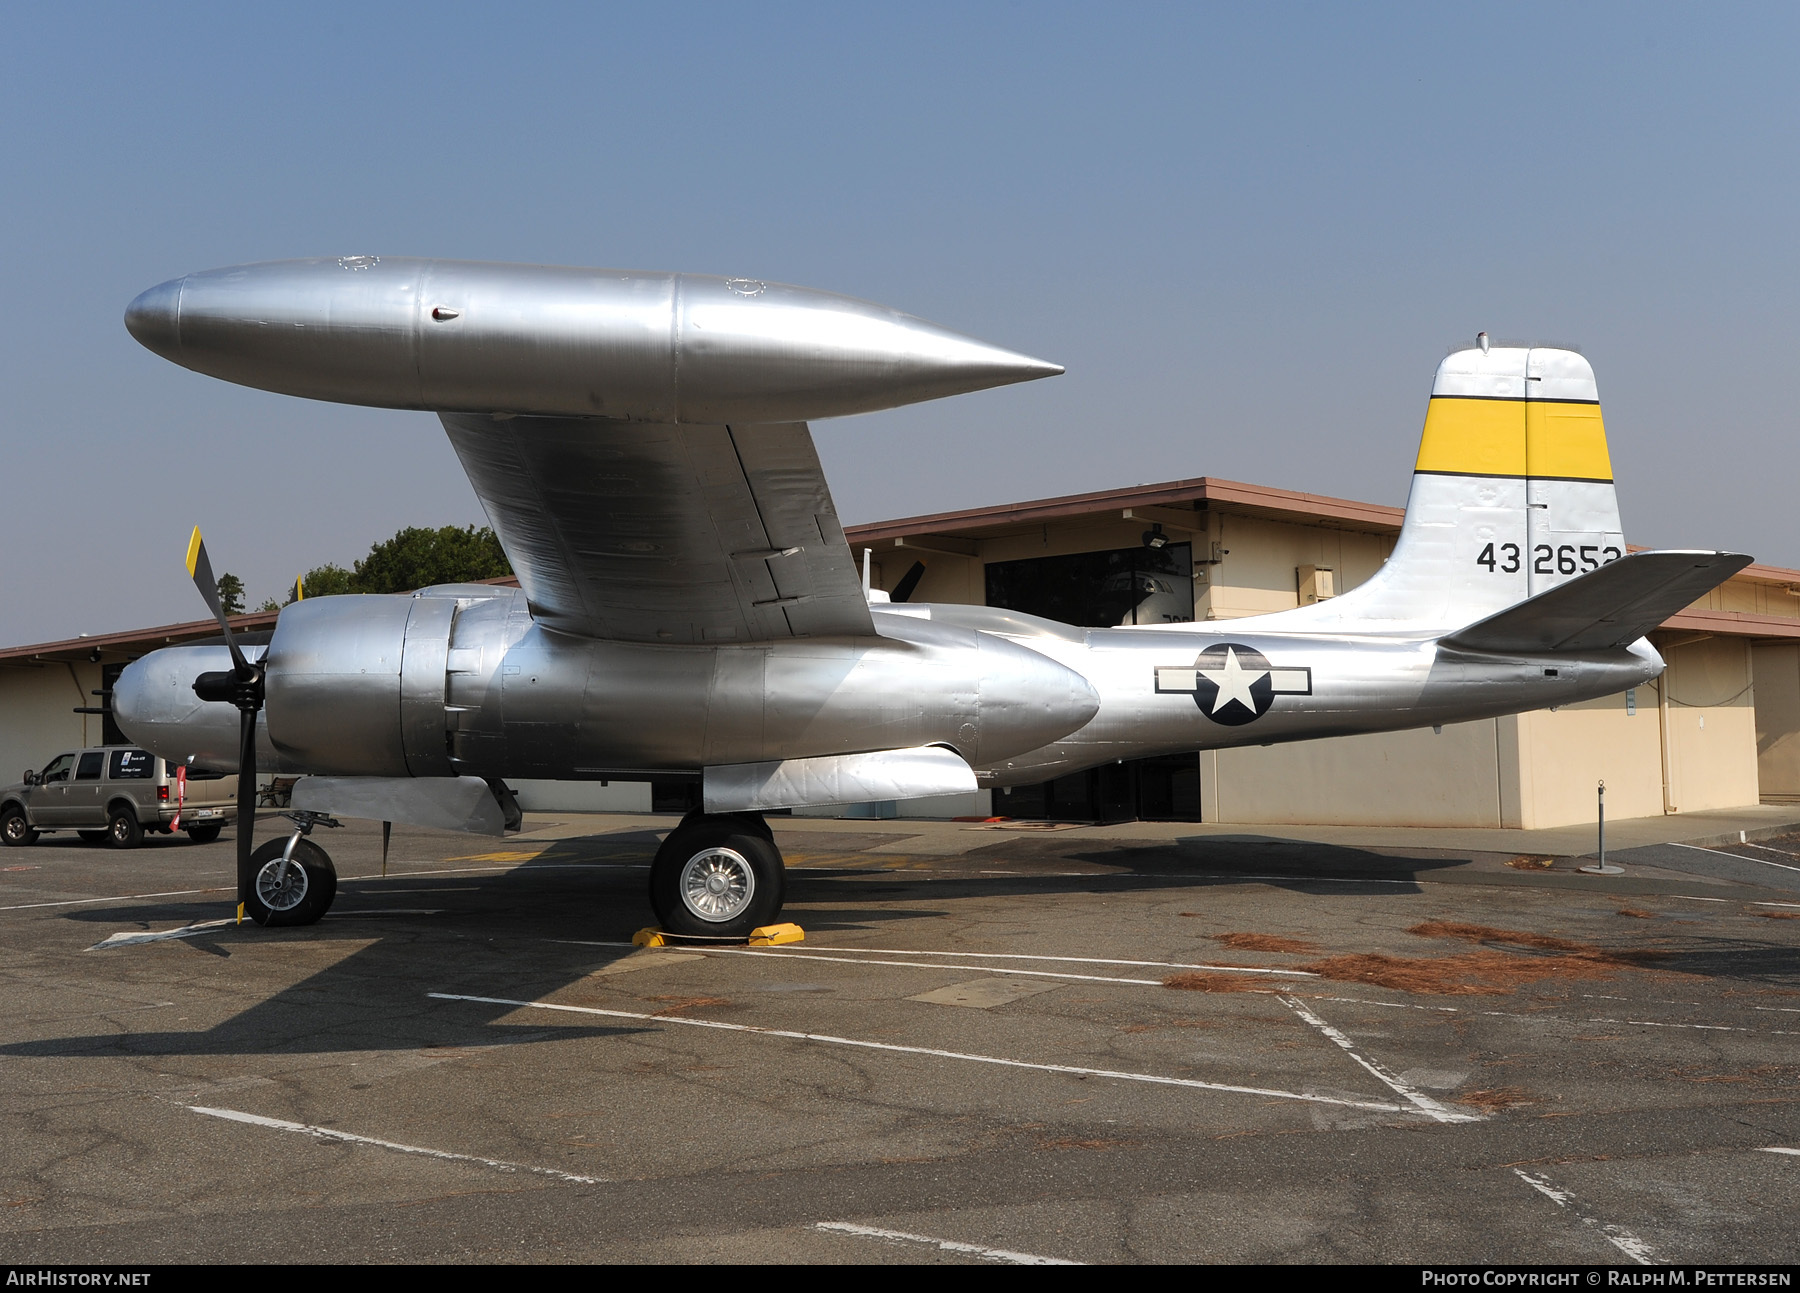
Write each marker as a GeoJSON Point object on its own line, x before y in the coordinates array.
{"type": "Point", "coordinates": [1564, 559]}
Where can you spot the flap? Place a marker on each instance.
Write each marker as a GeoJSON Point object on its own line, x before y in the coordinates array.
{"type": "Point", "coordinates": [836, 779]}
{"type": "Point", "coordinates": [442, 803]}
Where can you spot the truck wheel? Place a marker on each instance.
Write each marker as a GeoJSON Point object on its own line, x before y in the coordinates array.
{"type": "Point", "coordinates": [204, 834]}
{"type": "Point", "coordinates": [15, 827]}
{"type": "Point", "coordinates": [122, 829]}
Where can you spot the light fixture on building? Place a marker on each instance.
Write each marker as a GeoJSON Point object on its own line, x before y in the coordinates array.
{"type": "Point", "coordinates": [1154, 536]}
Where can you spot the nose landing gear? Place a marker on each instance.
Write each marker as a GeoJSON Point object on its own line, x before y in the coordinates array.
{"type": "Point", "coordinates": [295, 881]}
{"type": "Point", "coordinates": [718, 875]}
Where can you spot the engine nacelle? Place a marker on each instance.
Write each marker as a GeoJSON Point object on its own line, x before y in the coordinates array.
{"type": "Point", "coordinates": [356, 684]}
{"type": "Point", "coordinates": [154, 704]}
{"type": "Point", "coordinates": [458, 681]}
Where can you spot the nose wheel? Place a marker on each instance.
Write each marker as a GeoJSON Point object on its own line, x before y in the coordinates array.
{"type": "Point", "coordinates": [718, 875]}
{"type": "Point", "coordinates": [293, 881]}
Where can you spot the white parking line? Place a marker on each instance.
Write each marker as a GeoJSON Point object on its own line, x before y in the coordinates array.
{"type": "Point", "coordinates": [794, 954]}
{"type": "Point", "coordinates": [1786, 853]}
{"type": "Point", "coordinates": [1005, 1255]}
{"type": "Point", "coordinates": [1576, 1023]}
{"type": "Point", "coordinates": [124, 897]}
{"type": "Point", "coordinates": [1778, 1149]}
{"type": "Point", "coordinates": [1154, 1079]}
{"type": "Point", "coordinates": [1739, 856]}
{"type": "Point", "coordinates": [1424, 1103]}
{"type": "Point", "coordinates": [1068, 960]}
{"type": "Point", "coordinates": [1617, 1236]}
{"type": "Point", "coordinates": [328, 1133]}
{"type": "Point", "coordinates": [388, 911]}
{"type": "Point", "coordinates": [495, 869]}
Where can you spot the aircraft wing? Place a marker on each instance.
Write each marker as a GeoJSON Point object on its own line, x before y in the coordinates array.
{"type": "Point", "coordinates": [1609, 607]}
{"type": "Point", "coordinates": [653, 532]}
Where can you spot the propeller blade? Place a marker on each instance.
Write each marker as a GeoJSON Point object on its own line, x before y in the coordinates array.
{"type": "Point", "coordinates": [246, 823]}
{"type": "Point", "coordinates": [902, 590]}
{"type": "Point", "coordinates": [243, 687]}
{"type": "Point", "coordinates": [201, 571]}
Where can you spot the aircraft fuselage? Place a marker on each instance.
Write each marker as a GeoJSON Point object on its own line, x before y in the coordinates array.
{"type": "Point", "coordinates": [462, 681]}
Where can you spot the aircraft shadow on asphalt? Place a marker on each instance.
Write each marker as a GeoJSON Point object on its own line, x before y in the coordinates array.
{"type": "Point", "coordinates": [526, 932]}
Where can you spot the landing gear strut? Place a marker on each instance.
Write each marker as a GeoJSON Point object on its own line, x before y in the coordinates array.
{"type": "Point", "coordinates": [293, 879]}
{"type": "Point", "coordinates": [718, 875]}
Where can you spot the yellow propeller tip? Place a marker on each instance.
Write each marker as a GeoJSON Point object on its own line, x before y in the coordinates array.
{"type": "Point", "coordinates": [193, 552]}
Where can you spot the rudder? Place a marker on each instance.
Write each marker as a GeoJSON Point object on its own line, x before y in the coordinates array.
{"type": "Point", "coordinates": [1512, 494]}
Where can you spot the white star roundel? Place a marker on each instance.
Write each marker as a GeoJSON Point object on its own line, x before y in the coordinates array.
{"type": "Point", "coordinates": [1233, 684]}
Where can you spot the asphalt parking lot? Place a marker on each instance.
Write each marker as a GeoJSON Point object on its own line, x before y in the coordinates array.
{"type": "Point", "coordinates": [993, 1046]}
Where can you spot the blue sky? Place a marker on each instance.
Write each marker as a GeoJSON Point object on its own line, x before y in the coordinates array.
{"type": "Point", "coordinates": [1250, 233]}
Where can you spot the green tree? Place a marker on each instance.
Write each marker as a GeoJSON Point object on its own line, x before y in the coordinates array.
{"type": "Point", "coordinates": [414, 558]}
{"type": "Point", "coordinates": [326, 581]}
{"type": "Point", "coordinates": [231, 593]}
{"type": "Point", "coordinates": [417, 557]}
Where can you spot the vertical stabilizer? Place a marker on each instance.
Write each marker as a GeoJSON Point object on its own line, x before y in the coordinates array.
{"type": "Point", "coordinates": [1512, 495]}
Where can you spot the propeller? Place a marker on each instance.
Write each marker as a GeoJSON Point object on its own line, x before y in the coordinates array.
{"type": "Point", "coordinates": [241, 685]}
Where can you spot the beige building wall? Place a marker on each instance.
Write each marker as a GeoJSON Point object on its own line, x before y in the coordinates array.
{"type": "Point", "coordinates": [1709, 725]}
{"type": "Point", "coordinates": [38, 701]}
{"type": "Point", "coordinates": [1259, 559]}
{"type": "Point", "coordinates": [1562, 756]}
{"type": "Point", "coordinates": [1415, 778]}
{"type": "Point", "coordinates": [1775, 666]}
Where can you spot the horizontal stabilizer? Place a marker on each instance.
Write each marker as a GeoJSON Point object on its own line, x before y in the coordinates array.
{"type": "Point", "coordinates": [1609, 607]}
{"type": "Point", "coordinates": [836, 779]}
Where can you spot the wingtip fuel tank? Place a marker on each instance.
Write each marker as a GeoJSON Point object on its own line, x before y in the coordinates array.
{"type": "Point", "coordinates": [465, 336]}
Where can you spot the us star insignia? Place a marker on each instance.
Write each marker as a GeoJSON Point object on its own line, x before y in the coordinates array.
{"type": "Point", "coordinates": [1233, 684]}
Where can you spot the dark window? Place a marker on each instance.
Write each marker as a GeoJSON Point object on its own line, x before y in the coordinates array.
{"type": "Point", "coordinates": [1097, 590]}
{"type": "Point", "coordinates": [89, 767]}
{"type": "Point", "coordinates": [1100, 589]}
{"type": "Point", "coordinates": [59, 768]}
{"type": "Point", "coordinates": [132, 765]}
{"type": "Point", "coordinates": [109, 729]}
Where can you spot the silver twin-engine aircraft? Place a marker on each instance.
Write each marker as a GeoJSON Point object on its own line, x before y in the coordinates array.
{"type": "Point", "coordinates": [688, 605]}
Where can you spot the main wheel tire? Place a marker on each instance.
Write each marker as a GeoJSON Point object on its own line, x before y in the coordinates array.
{"type": "Point", "coordinates": [204, 834]}
{"type": "Point", "coordinates": [122, 829]}
{"type": "Point", "coordinates": [717, 877]}
{"type": "Point", "coordinates": [15, 827]}
{"type": "Point", "coordinates": [93, 837]}
{"type": "Point", "coordinates": [301, 895]}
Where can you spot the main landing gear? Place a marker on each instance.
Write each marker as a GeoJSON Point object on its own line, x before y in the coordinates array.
{"type": "Point", "coordinates": [718, 875]}
{"type": "Point", "coordinates": [295, 881]}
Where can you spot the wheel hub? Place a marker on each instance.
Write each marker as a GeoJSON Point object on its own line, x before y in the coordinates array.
{"type": "Point", "coordinates": [717, 884]}
{"type": "Point", "coordinates": [281, 892]}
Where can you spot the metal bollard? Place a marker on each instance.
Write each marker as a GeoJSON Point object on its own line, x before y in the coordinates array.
{"type": "Point", "coordinates": [1600, 868]}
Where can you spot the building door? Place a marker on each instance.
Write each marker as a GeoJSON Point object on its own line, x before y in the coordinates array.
{"type": "Point", "coordinates": [1162, 789]}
